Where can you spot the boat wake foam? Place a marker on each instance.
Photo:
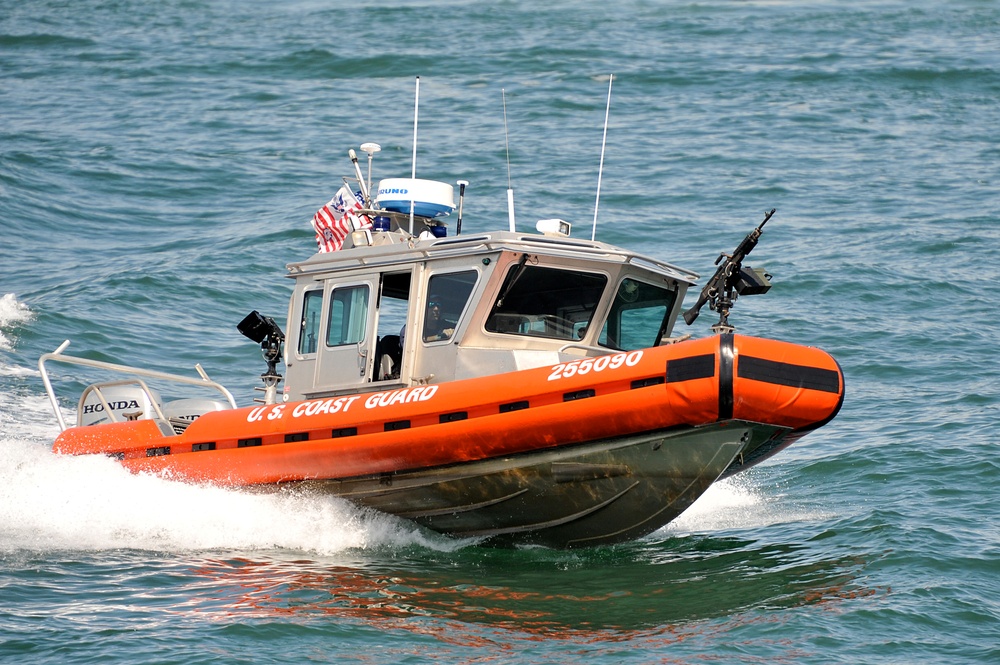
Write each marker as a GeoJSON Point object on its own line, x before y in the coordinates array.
{"type": "Point", "coordinates": [737, 503]}
{"type": "Point", "coordinates": [57, 502]}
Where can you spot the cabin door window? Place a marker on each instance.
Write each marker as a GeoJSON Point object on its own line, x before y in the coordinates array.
{"type": "Point", "coordinates": [346, 354]}
{"type": "Point", "coordinates": [348, 316]}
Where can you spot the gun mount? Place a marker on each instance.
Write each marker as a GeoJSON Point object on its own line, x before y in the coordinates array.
{"type": "Point", "coordinates": [264, 331]}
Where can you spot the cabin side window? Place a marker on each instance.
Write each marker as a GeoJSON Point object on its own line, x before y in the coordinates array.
{"type": "Point", "coordinates": [639, 316]}
{"type": "Point", "coordinates": [540, 301]}
{"type": "Point", "coordinates": [312, 305]}
{"type": "Point", "coordinates": [448, 294]}
{"type": "Point", "coordinates": [348, 315]}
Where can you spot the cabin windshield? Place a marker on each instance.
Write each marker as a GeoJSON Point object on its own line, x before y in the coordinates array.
{"type": "Point", "coordinates": [639, 316]}
{"type": "Point", "coordinates": [540, 301]}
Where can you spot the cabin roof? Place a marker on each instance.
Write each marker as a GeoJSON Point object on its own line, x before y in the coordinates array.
{"type": "Point", "coordinates": [398, 248]}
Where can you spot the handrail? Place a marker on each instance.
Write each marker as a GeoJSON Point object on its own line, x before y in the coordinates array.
{"type": "Point", "coordinates": [57, 356]}
{"type": "Point", "coordinates": [602, 350]}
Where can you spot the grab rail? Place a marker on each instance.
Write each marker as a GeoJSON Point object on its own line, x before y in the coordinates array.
{"type": "Point", "coordinates": [601, 350]}
{"type": "Point", "coordinates": [57, 356]}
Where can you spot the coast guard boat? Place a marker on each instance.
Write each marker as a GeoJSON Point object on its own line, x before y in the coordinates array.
{"type": "Point", "coordinates": [515, 387]}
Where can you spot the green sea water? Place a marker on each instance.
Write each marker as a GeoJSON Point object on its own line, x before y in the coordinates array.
{"type": "Point", "coordinates": [160, 162]}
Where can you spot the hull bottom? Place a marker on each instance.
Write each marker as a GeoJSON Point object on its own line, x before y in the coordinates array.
{"type": "Point", "coordinates": [598, 493]}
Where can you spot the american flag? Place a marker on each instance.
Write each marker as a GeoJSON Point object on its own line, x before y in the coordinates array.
{"type": "Point", "coordinates": [337, 218]}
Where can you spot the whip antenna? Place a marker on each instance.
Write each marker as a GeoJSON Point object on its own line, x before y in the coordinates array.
{"type": "Point", "coordinates": [600, 169]}
{"type": "Point", "coordinates": [462, 184]}
{"type": "Point", "coordinates": [371, 149]}
{"type": "Point", "coordinates": [413, 168]}
{"type": "Point", "coordinates": [365, 195]}
{"type": "Point", "coordinates": [506, 140]}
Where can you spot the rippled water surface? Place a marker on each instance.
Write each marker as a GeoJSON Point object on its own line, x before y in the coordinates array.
{"type": "Point", "coordinates": [160, 162]}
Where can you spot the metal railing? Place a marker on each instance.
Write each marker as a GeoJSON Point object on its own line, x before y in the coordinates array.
{"type": "Point", "coordinates": [57, 356]}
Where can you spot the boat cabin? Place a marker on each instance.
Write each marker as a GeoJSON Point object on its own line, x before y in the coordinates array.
{"type": "Point", "coordinates": [390, 310]}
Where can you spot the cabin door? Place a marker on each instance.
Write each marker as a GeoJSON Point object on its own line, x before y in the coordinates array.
{"type": "Point", "coordinates": [347, 335]}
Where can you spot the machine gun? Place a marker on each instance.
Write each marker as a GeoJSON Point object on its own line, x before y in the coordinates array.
{"type": "Point", "coordinates": [730, 280]}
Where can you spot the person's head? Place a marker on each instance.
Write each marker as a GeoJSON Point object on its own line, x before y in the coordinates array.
{"type": "Point", "coordinates": [434, 308]}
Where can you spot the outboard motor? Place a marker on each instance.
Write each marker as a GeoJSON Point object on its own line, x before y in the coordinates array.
{"type": "Point", "coordinates": [126, 400]}
{"type": "Point", "coordinates": [182, 412]}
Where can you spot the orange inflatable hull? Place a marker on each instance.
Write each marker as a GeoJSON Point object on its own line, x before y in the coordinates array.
{"type": "Point", "coordinates": [689, 384]}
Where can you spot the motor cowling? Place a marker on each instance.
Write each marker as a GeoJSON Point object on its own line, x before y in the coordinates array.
{"type": "Point", "coordinates": [127, 402]}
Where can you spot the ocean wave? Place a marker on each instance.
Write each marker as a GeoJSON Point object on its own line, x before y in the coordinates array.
{"type": "Point", "coordinates": [12, 313]}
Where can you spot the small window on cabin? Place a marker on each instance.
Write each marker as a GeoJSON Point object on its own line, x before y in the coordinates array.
{"type": "Point", "coordinates": [539, 301]}
{"type": "Point", "coordinates": [639, 316]}
{"type": "Point", "coordinates": [312, 305]}
{"type": "Point", "coordinates": [448, 294]}
{"type": "Point", "coordinates": [348, 315]}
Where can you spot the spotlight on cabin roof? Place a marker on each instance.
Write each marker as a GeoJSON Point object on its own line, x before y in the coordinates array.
{"type": "Point", "coordinates": [553, 227]}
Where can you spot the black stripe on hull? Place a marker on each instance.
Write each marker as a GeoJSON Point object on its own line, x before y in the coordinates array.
{"type": "Point", "coordinates": [691, 368]}
{"type": "Point", "coordinates": [786, 374]}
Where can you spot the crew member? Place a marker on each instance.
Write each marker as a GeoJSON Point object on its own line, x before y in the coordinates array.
{"type": "Point", "coordinates": [436, 327]}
